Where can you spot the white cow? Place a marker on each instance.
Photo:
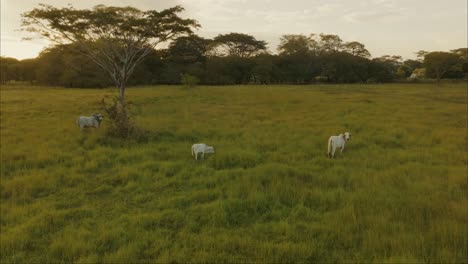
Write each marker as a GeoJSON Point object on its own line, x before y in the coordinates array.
{"type": "Point", "coordinates": [337, 142]}
{"type": "Point", "coordinates": [201, 148]}
{"type": "Point", "coordinates": [89, 121]}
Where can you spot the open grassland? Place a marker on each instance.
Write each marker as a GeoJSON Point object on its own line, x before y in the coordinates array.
{"type": "Point", "coordinates": [269, 194]}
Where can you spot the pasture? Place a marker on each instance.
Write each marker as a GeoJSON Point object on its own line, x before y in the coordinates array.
{"type": "Point", "coordinates": [397, 194]}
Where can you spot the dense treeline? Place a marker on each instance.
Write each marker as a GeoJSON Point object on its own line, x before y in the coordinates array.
{"type": "Point", "coordinates": [237, 58]}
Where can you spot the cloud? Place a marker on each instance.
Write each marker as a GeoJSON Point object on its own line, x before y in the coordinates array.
{"type": "Point", "coordinates": [372, 22]}
{"type": "Point", "coordinates": [375, 11]}
{"type": "Point", "coordinates": [374, 16]}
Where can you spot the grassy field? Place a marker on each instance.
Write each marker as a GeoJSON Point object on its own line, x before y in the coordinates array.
{"type": "Point", "coordinates": [397, 194]}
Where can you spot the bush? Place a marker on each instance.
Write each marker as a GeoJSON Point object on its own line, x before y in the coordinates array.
{"type": "Point", "coordinates": [118, 114]}
{"type": "Point", "coordinates": [321, 78]}
{"type": "Point", "coordinates": [189, 81]}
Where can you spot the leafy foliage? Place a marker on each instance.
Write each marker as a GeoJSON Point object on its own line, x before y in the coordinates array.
{"type": "Point", "coordinates": [189, 81]}
{"type": "Point", "coordinates": [294, 44]}
{"type": "Point", "coordinates": [115, 38]}
{"type": "Point", "coordinates": [241, 59]}
{"type": "Point", "coordinates": [439, 63]}
{"type": "Point", "coordinates": [119, 116]}
{"type": "Point", "coordinates": [240, 45]}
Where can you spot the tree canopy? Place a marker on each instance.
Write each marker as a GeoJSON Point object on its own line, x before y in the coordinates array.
{"type": "Point", "coordinates": [294, 44]}
{"type": "Point", "coordinates": [439, 63]}
{"type": "Point", "coordinates": [189, 48]}
{"type": "Point", "coordinates": [357, 49]}
{"type": "Point", "coordinates": [233, 58]}
{"type": "Point", "coordinates": [115, 38]}
{"type": "Point", "coordinates": [240, 45]}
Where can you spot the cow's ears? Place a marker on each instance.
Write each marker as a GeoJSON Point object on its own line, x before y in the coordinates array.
{"type": "Point", "coordinates": [343, 136]}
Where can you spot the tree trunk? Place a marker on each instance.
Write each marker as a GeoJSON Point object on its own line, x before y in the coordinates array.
{"type": "Point", "coordinates": [121, 92]}
{"type": "Point", "coordinates": [121, 97]}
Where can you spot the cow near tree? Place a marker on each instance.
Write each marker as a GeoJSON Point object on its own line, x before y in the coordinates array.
{"type": "Point", "coordinates": [115, 38]}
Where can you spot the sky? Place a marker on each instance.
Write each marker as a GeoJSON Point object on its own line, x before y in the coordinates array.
{"type": "Point", "coordinates": [385, 27]}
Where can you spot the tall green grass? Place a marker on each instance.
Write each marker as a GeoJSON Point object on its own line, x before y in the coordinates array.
{"type": "Point", "coordinates": [269, 194]}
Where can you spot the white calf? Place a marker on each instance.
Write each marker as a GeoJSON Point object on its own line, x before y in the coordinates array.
{"type": "Point", "coordinates": [89, 121]}
{"type": "Point", "coordinates": [201, 148]}
{"type": "Point", "coordinates": [337, 142]}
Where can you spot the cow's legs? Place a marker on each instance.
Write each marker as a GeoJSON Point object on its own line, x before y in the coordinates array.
{"type": "Point", "coordinates": [333, 151]}
{"type": "Point", "coordinates": [203, 155]}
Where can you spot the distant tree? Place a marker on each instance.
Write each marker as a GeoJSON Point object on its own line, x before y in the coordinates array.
{"type": "Point", "coordinates": [8, 69]}
{"type": "Point", "coordinates": [385, 68]}
{"type": "Point", "coordinates": [188, 80]}
{"type": "Point", "coordinates": [297, 68]}
{"type": "Point", "coordinates": [28, 70]}
{"type": "Point", "coordinates": [150, 70]}
{"type": "Point", "coordinates": [115, 38]}
{"type": "Point", "coordinates": [439, 63]}
{"type": "Point", "coordinates": [329, 43]}
{"type": "Point", "coordinates": [240, 45]}
{"type": "Point", "coordinates": [218, 71]}
{"type": "Point", "coordinates": [50, 65]}
{"type": "Point", "coordinates": [412, 64]}
{"type": "Point", "coordinates": [394, 61]}
{"type": "Point", "coordinates": [403, 71]}
{"type": "Point", "coordinates": [381, 71]}
{"type": "Point", "coordinates": [61, 65]}
{"type": "Point", "coordinates": [344, 67]}
{"type": "Point", "coordinates": [190, 48]}
{"type": "Point", "coordinates": [187, 55]}
{"type": "Point", "coordinates": [407, 68]}
{"type": "Point", "coordinates": [463, 54]}
{"type": "Point", "coordinates": [294, 44]}
{"type": "Point", "coordinates": [264, 69]}
{"type": "Point", "coordinates": [357, 49]}
{"type": "Point", "coordinates": [296, 60]}
{"type": "Point", "coordinates": [420, 54]}
{"type": "Point", "coordinates": [240, 69]}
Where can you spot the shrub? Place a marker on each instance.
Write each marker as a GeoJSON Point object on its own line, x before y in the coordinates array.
{"type": "Point", "coordinates": [189, 81]}
{"type": "Point", "coordinates": [118, 114]}
{"type": "Point", "coordinates": [321, 78]}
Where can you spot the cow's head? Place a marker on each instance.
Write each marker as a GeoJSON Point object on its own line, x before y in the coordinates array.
{"type": "Point", "coordinates": [98, 117]}
{"type": "Point", "coordinates": [347, 136]}
{"type": "Point", "coordinates": [209, 149]}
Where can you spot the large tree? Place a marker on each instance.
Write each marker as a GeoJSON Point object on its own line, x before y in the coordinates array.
{"type": "Point", "coordinates": [240, 45]}
{"type": "Point", "coordinates": [8, 69]}
{"type": "Point", "coordinates": [61, 65]}
{"type": "Point", "coordinates": [463, 53]}
{"type": "Point", "coordinates": [189, 48]}
{"type": "Point", "coordinates": [439, 63]}
{"type": "Point", "coordinates": [357, 49]}
{"type": "Point", "coordinates": [115, 38]}
{"type": "Point", "coordinates": [329, 43]}
{"type": "Point", "coordinates": [420, 54]}
{"type": "Point", "coordinates": [293, 44]}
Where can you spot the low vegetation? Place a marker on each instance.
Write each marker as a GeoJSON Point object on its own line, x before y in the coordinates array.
{"type": "Point", "coordinates": [269, 194]}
